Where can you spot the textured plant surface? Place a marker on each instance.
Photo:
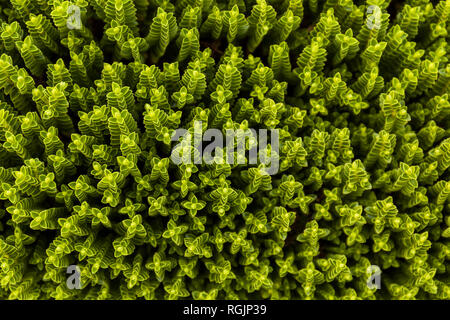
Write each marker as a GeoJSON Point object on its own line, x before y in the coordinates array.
{"type": "Point", "coordinates": [357, 89]}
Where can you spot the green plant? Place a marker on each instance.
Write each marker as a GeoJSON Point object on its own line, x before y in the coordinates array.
{"type": "Point", "coordinates": [359, 94]}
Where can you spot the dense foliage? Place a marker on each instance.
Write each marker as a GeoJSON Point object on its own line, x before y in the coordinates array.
{"type": "Point", "coordinates": [359, 91]}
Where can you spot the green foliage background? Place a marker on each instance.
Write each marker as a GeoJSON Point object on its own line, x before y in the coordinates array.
{"type": "Point", "coordinates": [359, 96]}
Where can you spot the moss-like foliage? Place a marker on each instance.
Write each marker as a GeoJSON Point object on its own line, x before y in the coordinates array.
{"type": "Point", "coordinates": [91, 92]}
